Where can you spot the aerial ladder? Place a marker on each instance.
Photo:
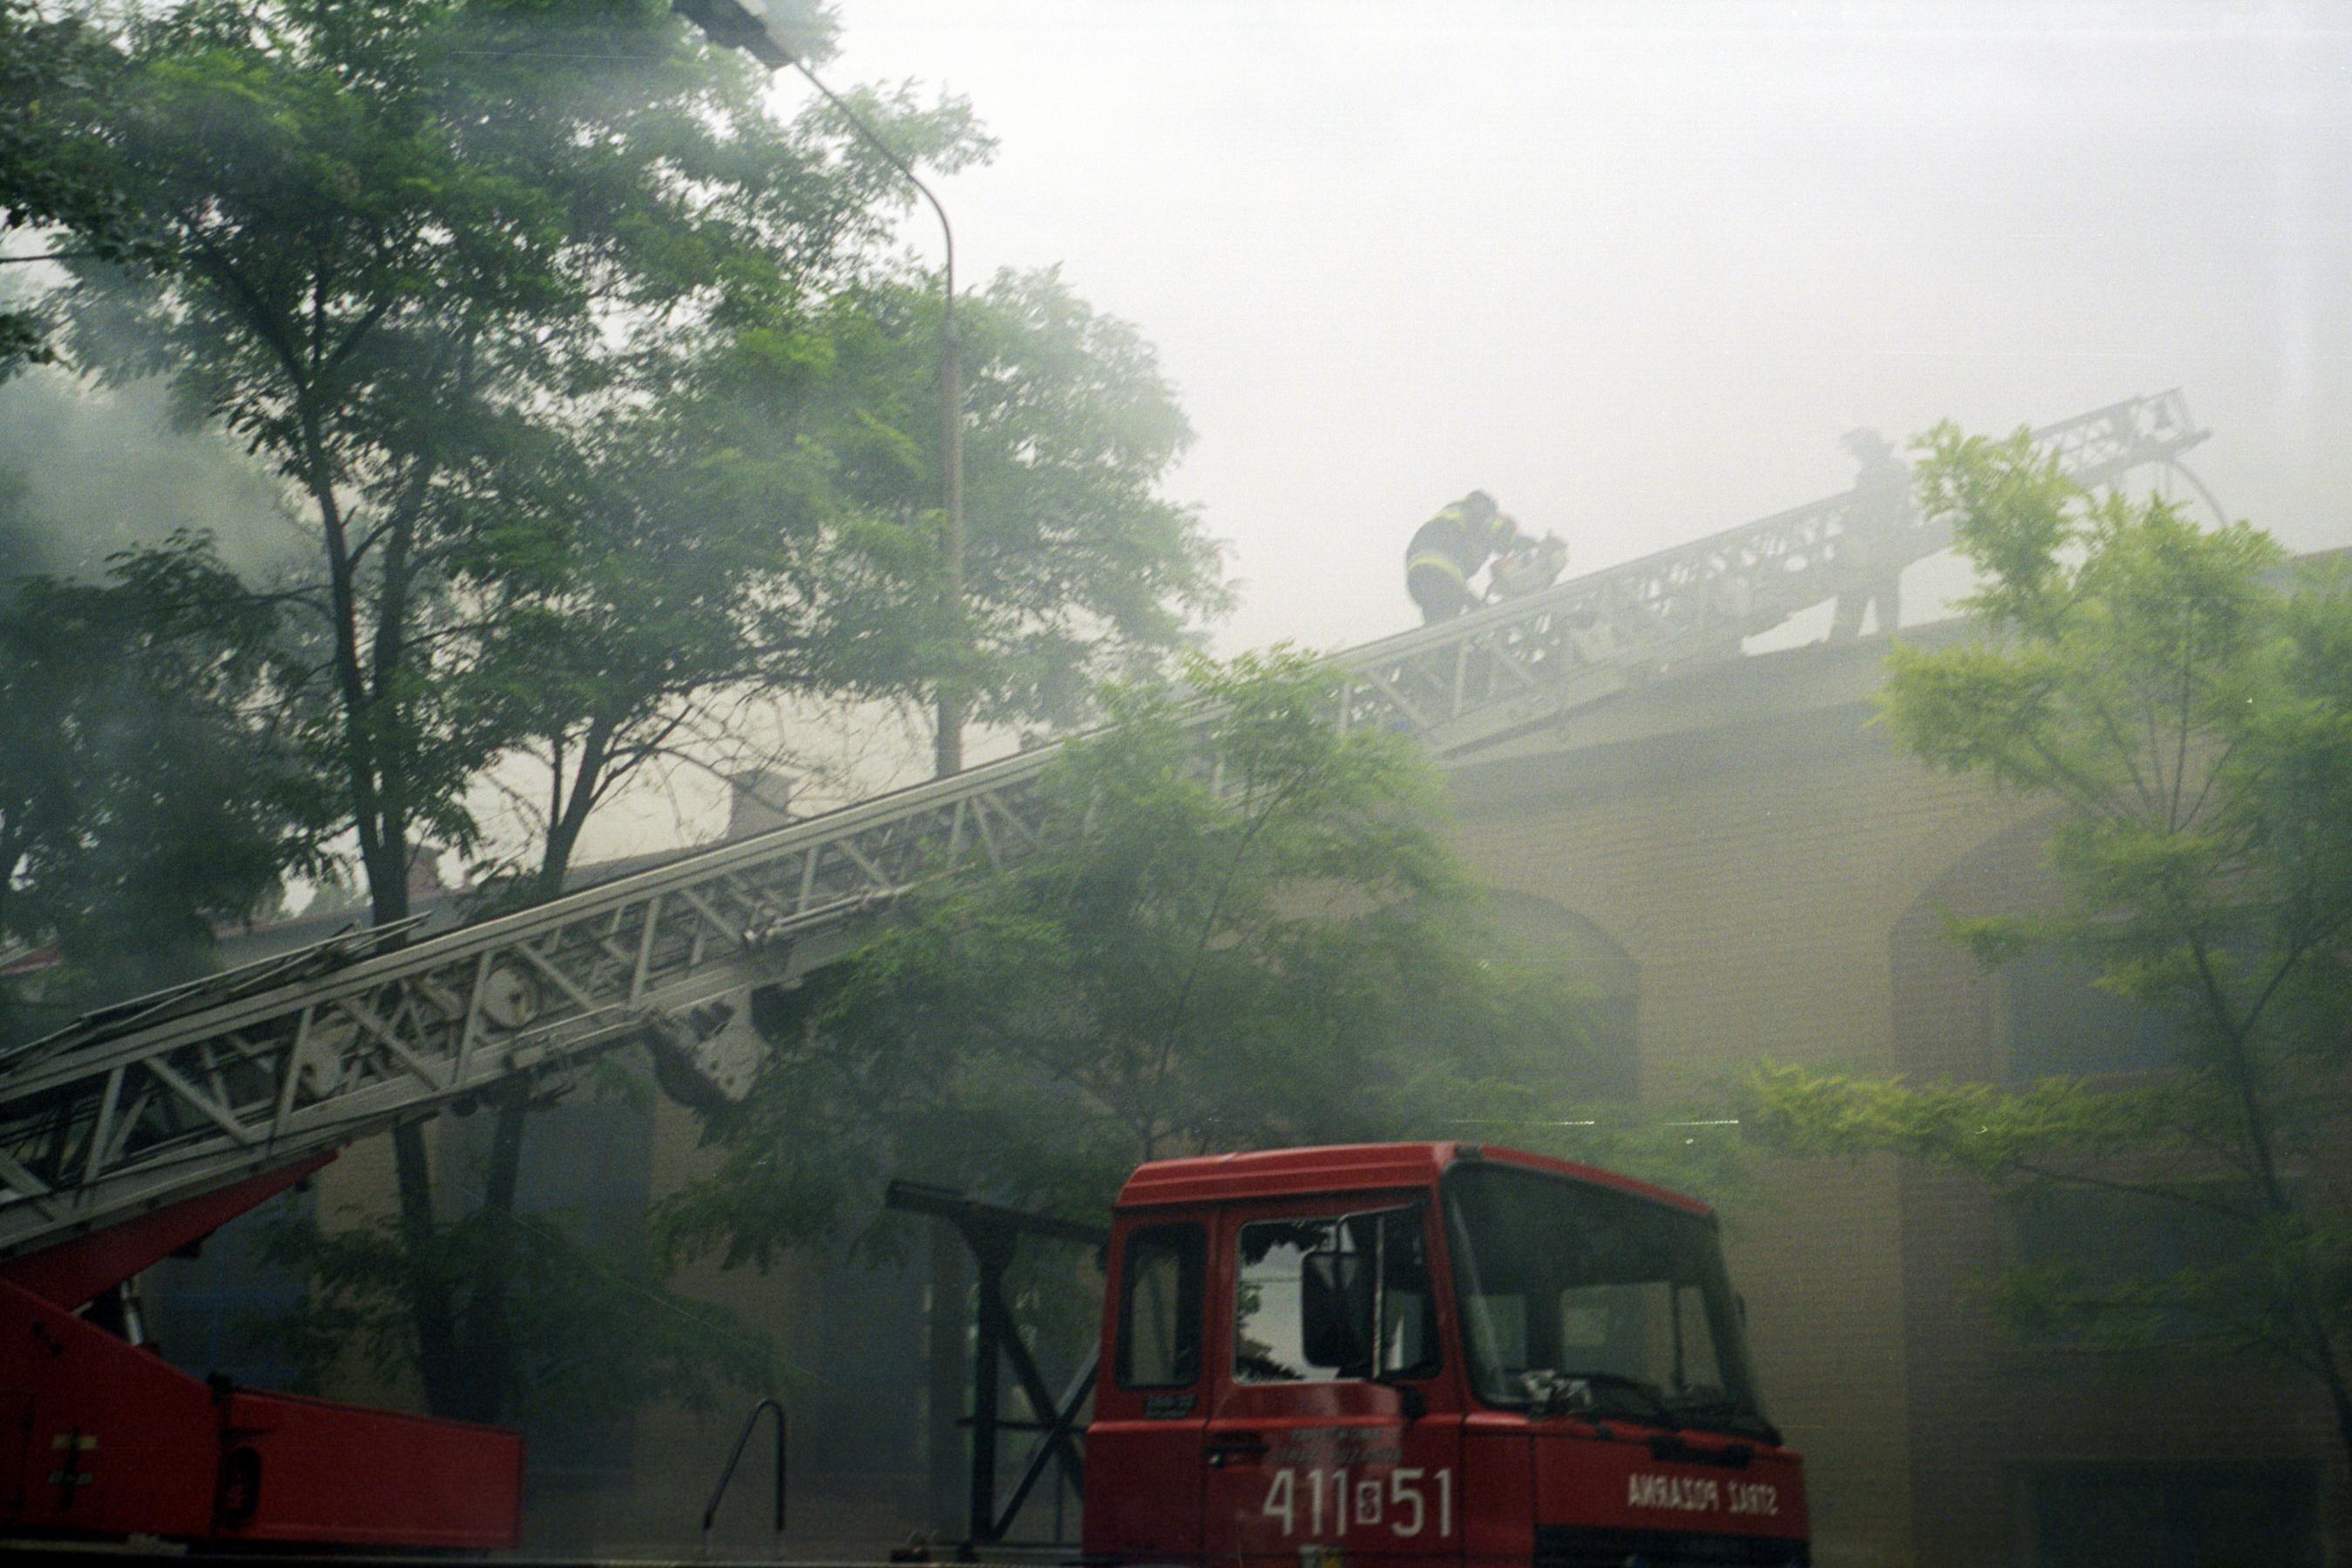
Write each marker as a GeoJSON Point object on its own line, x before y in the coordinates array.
{"type": "Point", "coordinates": [141, 1129]}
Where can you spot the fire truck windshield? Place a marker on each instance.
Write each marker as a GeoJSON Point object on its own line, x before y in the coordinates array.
{"type": "Point", "coordinates": [1623, 1301]}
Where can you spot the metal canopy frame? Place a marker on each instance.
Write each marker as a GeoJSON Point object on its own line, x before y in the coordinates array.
{"type": "Point", "coordinates": [993, 1232]}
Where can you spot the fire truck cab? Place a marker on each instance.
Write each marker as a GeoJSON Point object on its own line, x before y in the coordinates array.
{"type": "Point", "coordinates": [1425, 1353]}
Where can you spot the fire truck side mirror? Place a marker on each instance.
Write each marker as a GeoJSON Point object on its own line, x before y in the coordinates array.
{"type": "Point", "coordinates": [1335, 1310]}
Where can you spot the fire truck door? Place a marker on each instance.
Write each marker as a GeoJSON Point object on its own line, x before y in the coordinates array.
{"type": "Point", "coordinates": [1143, 1448]}
{"type": "Point", "coordinates": [1331, 1436]}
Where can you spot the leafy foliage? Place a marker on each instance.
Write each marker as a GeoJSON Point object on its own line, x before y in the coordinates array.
{"type": "Point", "coordinates": [597, 1332]}
{"type": "Point", "coordinates": [146, 792]}
{"type": "Point", "coordinates": [53, 70]}
{"type": "Point", "coordinates": [412, 253]}
{"type": "Point", "coordinates": [2186, 701]}
{"type": "Point", "coordinates": [1241, 929]}
{"type": "Point", "coordinates": [599, 398]}
{"type": "Point", "coordinates": [770, 525]}
{"type": "Point", "coordinates": [1076, 572]}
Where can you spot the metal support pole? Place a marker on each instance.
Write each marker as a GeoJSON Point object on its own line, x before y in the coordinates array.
{"type": "Point", "coordinates": [947, 751]}
{"type": "Point", "coordinates": [953, 700]}
{"type": "Point", "coordinates": [994, 1252]}
{"type": "Point", "coordinates": [1054, 1450]}
{"type": "Point", "coordinates": [948, 1328]}
{"type": "Point", "coordinates": [742, 1441]}
{"type": "Point", "coordinates": [991, 1232]}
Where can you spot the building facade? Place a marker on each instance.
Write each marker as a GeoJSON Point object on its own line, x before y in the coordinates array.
{"type": "Point", "coordinates": [1775, 874]}
{"type": "Point", "coordinates": [1741, 864]}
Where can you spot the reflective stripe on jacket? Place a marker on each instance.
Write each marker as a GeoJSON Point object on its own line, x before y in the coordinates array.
{"type": "Point", "coordinates": [1436, 560]}
{"type": "Point", "coordinates": [1451, 538]}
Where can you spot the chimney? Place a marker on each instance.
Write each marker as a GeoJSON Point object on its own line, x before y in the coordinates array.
{"type": "Point", "coordinates": [759, 802]}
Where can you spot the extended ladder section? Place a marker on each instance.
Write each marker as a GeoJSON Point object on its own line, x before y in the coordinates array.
{"type": "Point", "coordinates": [255, 1070]}
{"type": "Point", "coordinates": [1461, 686]}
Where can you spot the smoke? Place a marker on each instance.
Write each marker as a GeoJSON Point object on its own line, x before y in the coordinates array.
{"type": "Point", "coordinates": [85, 473]}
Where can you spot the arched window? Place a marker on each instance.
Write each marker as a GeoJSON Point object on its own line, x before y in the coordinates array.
{"type": "Point", "coordinates": [2040, 1014]}
{"type": "Point", "coordinates": [2052, 1019]}
{"type": "Point", "coordinates": [1605, 971]}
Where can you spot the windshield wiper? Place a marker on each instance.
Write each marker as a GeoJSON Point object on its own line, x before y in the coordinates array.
{"type": "Point", "coordinates": [1553, 1393]}
{"type": "Point", "coordinates": [1723, 1411]}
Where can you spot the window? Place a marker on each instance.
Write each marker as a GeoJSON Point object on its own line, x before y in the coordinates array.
{"type": "Point", "coordinates": [2145, 1243]}
{"type": "Point", "coordinates": [1600, 1052]}
{"type": "Point", "coordinates": [1652, 1330]}
{"type": "Point", "coordinates": [1560, 1279]}
{"type": "Point", "coordinates": [864, 1392]}
{"type": "Point", "coordinates": [1160, 1308]}
{"type": "Point", "coordinates": [587, 1172]}
{"type": "Point", "coordinates": [2056, 1021]}
{"type": "Point", "coordinates": [1270, 1330]}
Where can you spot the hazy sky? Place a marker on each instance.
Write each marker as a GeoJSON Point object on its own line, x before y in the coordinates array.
{"type": "Point", "coordinates": [1635, 267]}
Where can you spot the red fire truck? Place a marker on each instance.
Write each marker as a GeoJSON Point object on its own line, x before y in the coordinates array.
{"type": "Point", "coordinates": [101, 1439]}
{"type": "Point", "coordinates": [1426, 1354]}
{"type": "Point", "coordinates": [1401, 1353]}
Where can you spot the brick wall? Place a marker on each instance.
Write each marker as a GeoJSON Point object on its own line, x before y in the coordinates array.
{"type": "Point", "coordinates": [1986, 1412]}
{"type": "Point", "coordinates": [1775, 870]}
{"type": "Point", "coordinates": [1750, 854]}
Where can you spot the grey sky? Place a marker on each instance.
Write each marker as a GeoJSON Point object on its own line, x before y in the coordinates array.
{"type": "Point", "coordinates": [1634, 267]}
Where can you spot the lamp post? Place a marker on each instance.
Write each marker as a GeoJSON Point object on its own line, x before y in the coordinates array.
{"type": "Point", "coordinates": [753, 27]}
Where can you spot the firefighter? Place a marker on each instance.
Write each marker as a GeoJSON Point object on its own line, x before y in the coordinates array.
{"type": "Point", "coordinates": [1882, 505]}
{"type": "Point", "coordinates": [1448, 550]}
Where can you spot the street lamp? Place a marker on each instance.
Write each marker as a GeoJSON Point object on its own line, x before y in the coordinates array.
{"type": "Point", "coordinates": [753, 27]}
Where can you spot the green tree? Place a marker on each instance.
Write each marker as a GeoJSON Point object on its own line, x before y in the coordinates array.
{"type": "Point", "coordinates": [2184, 702]}
{"type": "Point", "coordinates": [768, 528]}
{"type": "Point", "coordinates": [1241, 929]}
{"type": "Point", "coordinates": [569, 1314]}
{"type": "Point", "coordinates": [147, 791]}
{"type": "Point", "coordinates": [568, 352]}
{"type": "Point", "coordinates": [670, 604]}
{"type": "Point", "coordinates": [407, 251]}
{"type": "Point", "coordinates": [53, 68]}
{"type": "Point", "coordinates": [1077, 571]}
{"type": "Point", "coordinates": [732, 544]}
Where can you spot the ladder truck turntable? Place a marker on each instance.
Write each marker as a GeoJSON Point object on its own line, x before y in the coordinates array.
{"type": "Point", "coordinates": [1504, 1432]}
